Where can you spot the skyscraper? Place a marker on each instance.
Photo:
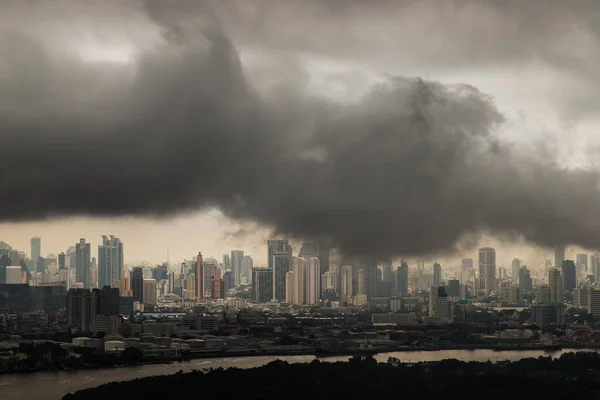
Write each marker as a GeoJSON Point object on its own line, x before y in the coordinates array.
{"type": "Point", "coordinates": [262, 284]}
{"type": "Point", "coordinates": [289, 287]}
{"type": "Point", "coordinates": [82, 308]}
{"type": "Point", "coordinates": [487, 269]}
{"type": "Point", "coordinates": [282, 264]}
{"type": "Point", "coordinates": [110, 261]}
{"type": "Point", "coordinates": [555, 282]}
{"type": "Point", "coordinates": [150, 292]}
{"type": "Point", "coordinates": [402, 280]}
{"type": "Point", "coordinates": [200, 286]}
{"type": "Point", "coordinates": [313, 281]}
{"type": "Point", "coordinates": [247, 265]}
{"type": "Point", "coordinates": [466, 263]}
{"type": "Point", "coordinates": [437, 274]}
{"type": "Point", "coordinates": [217, 290]}
{"type": "Point", "coordinates": [83, 263]}
{"type": "Point", "coordinates": [62, 261]}
{"type": "Point", "coordinates": [279, 246]}
{"type": "Point", "coordinates": [595, 266]}
{"type": "Point", "coordinates": [569, 275]}
{"type": "Point", "coordinates": [324, 246]}
{"type": "Point", "coordinates": [582, 264]}
{"type": "Point", "coordinates": [137, 284]}
{"type": "Point", "coordinates": [347, 282]}
{"type": "Point", "coordinates": [525, 279]}
{"type": "Point", "coordinates": [36, 250]}
{"type": "Point", "coordinates": [300, 272]}
{"type": "Point", "coordinates": [236, 266]}
{"type": "Point", "coordinates": [516, 267]}
{"type": "Point", "coordinates": [559, 256]}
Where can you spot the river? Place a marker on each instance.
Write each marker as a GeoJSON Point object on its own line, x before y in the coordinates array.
{"type": "Point", "coordinates": [54, 385]}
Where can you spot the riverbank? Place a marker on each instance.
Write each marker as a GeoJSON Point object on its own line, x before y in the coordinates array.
{"type": "Point", "coordinates": [54, 385]}
{"type": "Point", "coordinates": [200, 355]}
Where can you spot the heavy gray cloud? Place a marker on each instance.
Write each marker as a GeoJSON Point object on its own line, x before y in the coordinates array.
{"type": "Point", "coordinates": [410, 168]}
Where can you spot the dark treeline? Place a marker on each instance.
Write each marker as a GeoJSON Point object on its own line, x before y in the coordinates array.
{"type": "Point", "coordinates": [570, 376]}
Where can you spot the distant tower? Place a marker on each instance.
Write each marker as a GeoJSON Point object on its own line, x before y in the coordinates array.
{"type": "Point", "coordinates": [280, 252]}
{"type": "Point", "coordinates": [83, 263]}
{"type": "Point", "coordinates": [559, 256]}
{"type": "Point", "coordinates": [555, 282]}
{"type": "Point", "coordinates": [200, 286]}
{"type": "Point", "coordinates": [236, 260]}
{"type": "Point", "coordinates": [569, 275]}
{"type": "Point", "coordinates": [110, 261]}
{"type": "Point", "coordinates": [313, 292]}
{"type": "Point", "coordinates": [437, 274]}
{"type": "Point", "coordinates": [516, 267]}
{"type": "Point", "coordinates": [36, 250]}
{"type": "Point", "coordinates": [402, 280]}
{"type": "Point", "coordinates": [487, 269]}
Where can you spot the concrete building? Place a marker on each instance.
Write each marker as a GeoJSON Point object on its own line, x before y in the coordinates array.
{"type": "Point", "coordinates": [593, 306]}
{"type": "Point", "coordinates": [82, 308]}
{"type": "Point", "coordinates": [300, 272]}
{"type": "Point", "coordinates": [559, 256]}
{"type": "Point", "coordinates": [439, 307]}
{"type": "Point", "coordinates": [487, 269]}
{"type": "Point", "coordinates": [437, 274]}
{"type": "Point", "coordinates": [347, 282]}
{"type": "Point", "coordinates": [525, 282]}
{"type": "Point", "coordinates": [281, 254]}
{"type": "Point", "coordinates": [581, 297]}
{"type": "Point", "coordinates": [237, 257]}
{"type": "Point", "coordinates": [547, 314]}
{"type": "Point", "coordinates": [247, 265]}
{"type": "Point", "coordinates": [466, 263]}
{"type": "Point", "coordinates": [110, 261]}
{"type": "Point", "coordinates": [137, 284]}
{"type": "Point", "coordinates": [402, 280]}
{"type": "Point", "coordinates": [313, 281]}
{"type": "Point", "coordinates": [516, 267]}
{"type": "Point", "coordinates": [149, 294]}
{"type": "Point", "coordinates": [289, 287]}
{"type": "Point", "coordinates": [555, 282]}
{"type": "Point", "coordinates": [36, 252]}
{"type": "Point", "coordinates": [569, 275]}
{"type": "Point", "coordinates": [262, 284]}
{"type": "Point", "coordinates": [13, 275]}
{"type": "Point", "coordinates": [581, 262]}
{"type": "Point", "coordinates": [199, 276]}
{"type": "Point", "coordinates": [83, 263]}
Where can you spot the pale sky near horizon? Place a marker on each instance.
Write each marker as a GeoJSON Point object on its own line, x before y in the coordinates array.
{"type": "Point", "coordinates": [526, 93]}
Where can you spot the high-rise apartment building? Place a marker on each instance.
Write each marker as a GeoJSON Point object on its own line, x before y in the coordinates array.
{"type": "Point", "coordinates": [281, 264]}
{"type": "Point", "coordinates": [237, 257]}
{"type": "Point", "coordinates": [555, 282]}
{"type": "Point", "coordinates": [347, 289]}
{"type": "Point", "coordinates": [437, 274]}
{"type": "Point", "coordinates": [525, 282]}
{"type": "Point", "coordinates": [83, 263]}
{"type": "Point", "coordinates": [62, 261]}
{"type": "Point", "coordinates": [82, 308]}
{"type": "Point", "coordinates": [487, 269]}
{"type": "Point", "coordinates": [289, 287]}
{"type": "Point", "coordinates": [110, 261]}
{"type": "Point", "coordinates": [300, 271]}
{"type": "Point", "coordinates": [262, 284]}
{"type": "Point", "coordinates": [200, 286]}
{"type": "Point", "coordinates": [247, 265]}
{"type": "Point", "coordinates": [217, 290]}
{"type": "Point", "coordinates": [594, 267]}
{"type": "Point", "coordinates": [277, 246]}
{"type": "Point", "coordinates": [569, 275]}
{"type": "Point", "coordinates": [593, 306]}
{"type": "Point", "coordinates": [313, 281]}
{"type": "Point", "coordinates": [36, 252]}
{"type": "Point", "coordinates": [438, 303]}
{"type": "Point", "coordinates": [466, 263]}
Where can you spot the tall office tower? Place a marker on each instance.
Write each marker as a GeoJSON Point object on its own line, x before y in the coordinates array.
{"type": "Point", "coordinates": [149, 294]}
{"type": "Point", "coordinates": [308, 249]}
{"type": "Point", "coordinates": [137, 284]}
{"type": "Point", "coordinates": [236, 266]}
{"type": "Point", "coordinates": [525, 282]}
{"type": "Point", "coordinates": [402, 280]}
{"type": "Point", "coordinates": [569, 274]}
{"type": "Point", "coordinates": [247, 265]}
{"type": "Point", "coordinates": [217, 284]}
{"type": "Point", "coordinates": [466, 263]}
{"type": "Point", "coordinates": [110, 261]}
{"type": "Point", "coordinates": [83, 263]}
{"type": "Point", "coordinates": [595, 266]}
{"type": "Point", "coordinates": [593, 303]}
{"type": "Point", "coordinates": [487, 268]}
{"type": "Point", "coordinates": [559, 256]}
{"type": "Point", "coordinates": [542, 295]}
{"type": "Point", "coordinates": [262, 284]}
{"type": "Point", "coordinates": [289, 287]}
{"type": "Point", "coordinates": [36, 252]}
{"type": "Point", "coordinates": [582, 264]}
{"type": "Point", "coordinates": [277, 246]}
{"type": "Point", "coordinates": [300, 272]}
{"type": "Point", "coordinates": [210, 264]}
{"type": "Point", "coordinates": [437, 274]}
{"type": "Point", "coordinates": [62, 261]}
{"type": "Point", "coordinates": [324, 247]}
{"type": "Point", "coordinates": [347, 282]}
{"type": "Point", "coordinates": [581, 297]}
{"type": "Point", "coordinates": [108, 300]}
{"type": "Point", "coordinates": [438, 303]}
{"type": "Point", "coordinates": [282, 264]}
{"type": "Point", "coordinates": [82, 308]}
{"type": "Point", "coordinates": [453, 288]}
{"type": "Point", "coordinates": [228, 281]}
{"type": "Point", "coordinates": [555, 281]}
{"type": "Point", "coordinates": [313, 281]}
{"type": "Point", "coordinates": [200, 287]}
{"type": "Point", "coordinates": [516, 267]}
{"type": "Point", "coordinates": [387, 274]}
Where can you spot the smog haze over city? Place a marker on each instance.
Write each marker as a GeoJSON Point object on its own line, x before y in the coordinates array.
{"type": "Point", "coordinates": [400, 129]}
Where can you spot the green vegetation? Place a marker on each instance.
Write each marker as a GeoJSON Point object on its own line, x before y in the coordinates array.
{"type": "Point", "coordinates": [570, 376]}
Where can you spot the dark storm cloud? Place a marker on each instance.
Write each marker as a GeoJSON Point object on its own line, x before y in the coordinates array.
{"type": "Point", "coordinates": [411, 167]}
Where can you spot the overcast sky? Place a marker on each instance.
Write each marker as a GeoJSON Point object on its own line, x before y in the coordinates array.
{"type": "Point", "coordinates": [304, 117]}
